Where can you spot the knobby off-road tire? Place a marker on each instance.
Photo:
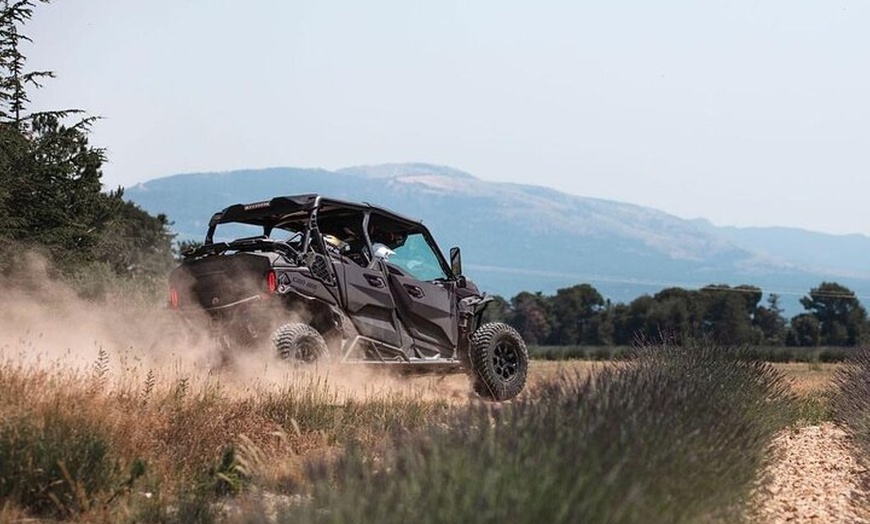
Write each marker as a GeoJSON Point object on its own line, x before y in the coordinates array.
{"type": "Point", "coordinates": [499, 361]}
{"type": "Point", "coordinates": [299, 342]}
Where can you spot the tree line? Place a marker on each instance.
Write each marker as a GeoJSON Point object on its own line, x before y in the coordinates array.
{"type": "Point", "coordinates": [51, 194]}
{"type": "Point", "coordinates": [579, 315]}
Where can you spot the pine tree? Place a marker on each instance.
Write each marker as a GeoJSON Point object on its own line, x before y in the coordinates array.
{"type": "Point", "coordinates": [51, 193]}
{"type": "Point", "coordinates": [14, 78]}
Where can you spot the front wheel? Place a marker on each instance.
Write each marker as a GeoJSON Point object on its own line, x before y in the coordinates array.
{"type": "Point", "coordinates": [499, 361]}
{"type": "Point", "coordinates": [299, 342]}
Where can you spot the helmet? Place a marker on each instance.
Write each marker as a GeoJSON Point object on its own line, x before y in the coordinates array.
{"type": "Point", "coordinates": [335, 242]}
{"type": "Point", "coordinates": [383, 252]}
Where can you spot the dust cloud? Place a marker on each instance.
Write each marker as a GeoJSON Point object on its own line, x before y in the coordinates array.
{"type": "Point", "coordinates": [45, 324]}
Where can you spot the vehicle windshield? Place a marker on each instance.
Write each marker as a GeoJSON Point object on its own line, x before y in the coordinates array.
{"type": "Point", "coordinates": [416, 257]}
{"type": "Point", "coordinates": [234, 230]}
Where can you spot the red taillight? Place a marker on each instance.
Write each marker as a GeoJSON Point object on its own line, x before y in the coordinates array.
{"type": "Point", "coordinates": [272, 282]}
{"type": "Point", "coordinates": [173, 297]}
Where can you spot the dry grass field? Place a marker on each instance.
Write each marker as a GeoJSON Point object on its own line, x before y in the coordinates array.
{"type": "Point", "coordinates": [116, 440]}
{"type": "Point", "coordinates": [113, 414]}
{"type": "Point", "coordinates": [804, 378]}
{"type": "Point", "coordinates": [808, 378]}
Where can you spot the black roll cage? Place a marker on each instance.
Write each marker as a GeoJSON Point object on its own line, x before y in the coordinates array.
{"type": "Point", "coordinates": [306, 209]}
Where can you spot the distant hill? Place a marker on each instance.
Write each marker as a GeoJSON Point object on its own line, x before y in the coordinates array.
{"type": "Point", "coordinates": [530, 238]}
{"type": "Point", "coordinates": [847, 255]}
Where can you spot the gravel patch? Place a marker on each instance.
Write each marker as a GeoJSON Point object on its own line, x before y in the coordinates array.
{"type": "Point", "coordinates": [814, 478]}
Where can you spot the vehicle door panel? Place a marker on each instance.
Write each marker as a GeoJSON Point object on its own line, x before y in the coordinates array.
{"type": "Point", "coordinates": [427, 309]}
{"type": "Point", "coordinates": [370, 304]}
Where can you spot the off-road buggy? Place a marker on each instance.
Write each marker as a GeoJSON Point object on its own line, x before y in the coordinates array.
{"type": "Point", "coordinates": [324, 278]}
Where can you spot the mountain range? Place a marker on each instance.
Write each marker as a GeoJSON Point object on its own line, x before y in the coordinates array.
{"type": "Point", "coordinates": [517, 237]}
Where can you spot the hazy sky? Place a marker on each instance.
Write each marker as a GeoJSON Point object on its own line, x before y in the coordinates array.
{"type": "Point", "coordinates": [743, 112]}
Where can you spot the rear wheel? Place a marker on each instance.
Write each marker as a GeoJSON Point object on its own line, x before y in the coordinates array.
{"type": "Point", "coordinates": [299, 342]}
{"type": "Point", "coordinates": [499, 361]}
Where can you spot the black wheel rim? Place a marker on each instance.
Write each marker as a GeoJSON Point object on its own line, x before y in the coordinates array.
{"type": "Point", "coordinates": [505, 360]}
{"type": "Point", "coordinates": [304, 351]}
{"type": "Point", "coordinates": [308, 350]}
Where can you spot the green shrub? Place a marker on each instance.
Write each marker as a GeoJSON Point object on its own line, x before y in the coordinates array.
{"type": "Point", "coordinates": [834, 354]}
{"type": "Point", "coordinates": [813, 408]}
{"type": "Point", "coordinates": [676, 435]}
{"type": "Point", "coordinates": [851, 400]}
{"type": "Point", "coordinates": [55, 464]}
{"type": "Point", "coordinates": [765, 353]}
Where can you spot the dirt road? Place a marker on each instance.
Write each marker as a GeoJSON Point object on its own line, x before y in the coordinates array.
{"type": "Point", "coordinates": [814, 479]}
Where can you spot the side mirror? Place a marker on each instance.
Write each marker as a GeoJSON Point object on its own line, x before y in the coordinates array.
{"type": "Point", "coordinates": [456, 261]}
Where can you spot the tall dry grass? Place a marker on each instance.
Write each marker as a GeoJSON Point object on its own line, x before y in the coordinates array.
{"type": "Point", "coordinates": [80, 444]}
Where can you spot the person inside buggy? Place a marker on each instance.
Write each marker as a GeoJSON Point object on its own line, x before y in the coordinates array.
{"type": "Point", "coordinates": [402, 248]}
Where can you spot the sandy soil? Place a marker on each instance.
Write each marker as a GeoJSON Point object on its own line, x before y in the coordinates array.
{"type": "Point", "coordinates": [814, 479]}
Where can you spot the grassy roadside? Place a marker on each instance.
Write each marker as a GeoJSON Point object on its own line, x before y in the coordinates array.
{"type": "Point", "coordinates": [639, 441]}
{"type": "Point", "coordinates": [677, 435]}
{"type": "Point", "coordinates": [71, 446]}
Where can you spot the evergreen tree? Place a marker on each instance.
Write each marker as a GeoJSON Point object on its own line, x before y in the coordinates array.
{"type": "Point", "coordinates": [841, 317]}
{"type": "Point", "coordinates": [729, 312]}
{"type": "Point", "coordinates": [497, 311]}
{"type": "Point", "coordinates": [530, 316]}
{"type": "Point", "coordinates": [14, 77]}
{"type": "Point", "coordinates": [676, 315]}
{"type": "Point", "coordinates": [803, 331]}
{"type": "Point", "coordinates": [51, 193]}
{"type": "Point", "coordinates": [629, 320]}
{"type": "Point", "coordinates": [574, 311]}
{"type": "Point", "coordinates": [770, 321]}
